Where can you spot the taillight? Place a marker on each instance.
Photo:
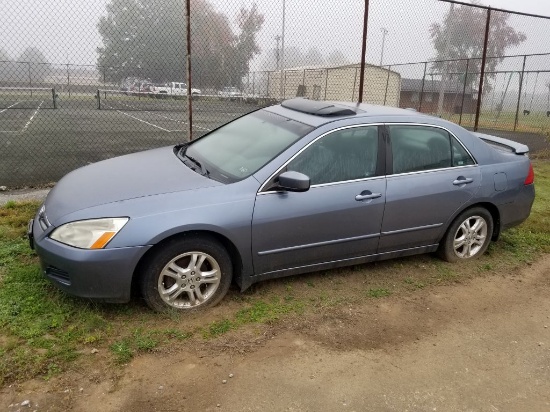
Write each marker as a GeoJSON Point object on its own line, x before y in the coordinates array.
{"type": "Point", "coordinates": [530, 176]}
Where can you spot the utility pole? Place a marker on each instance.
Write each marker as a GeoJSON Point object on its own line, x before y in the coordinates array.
{"type": "Point", "coordinates": [384, 33]}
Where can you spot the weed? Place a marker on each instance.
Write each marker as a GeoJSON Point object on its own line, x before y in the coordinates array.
{"type": "Point", "coordinates": [144, 341]}
{"type": "Point", "coordinates": [415, 283]}
{"type": "Point", "coordinates": [176, 334]}
{"type": "Point", "coordinates": [217, 328]}
{"type": "Point", "coordinates": [378, 293]}
{"type": "Point", "coordinates": [122, 352]}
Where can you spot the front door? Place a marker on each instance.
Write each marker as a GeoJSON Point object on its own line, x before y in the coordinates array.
{"type": "Point", "coordinates": [338, 218]}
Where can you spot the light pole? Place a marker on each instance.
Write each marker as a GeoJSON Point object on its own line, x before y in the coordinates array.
{"type": "Point", "coordinates": [384, 33]}
{"type": "Point", "coordinates": [282, 86]}
{"type": "Point", "coordinates": [277, 56]}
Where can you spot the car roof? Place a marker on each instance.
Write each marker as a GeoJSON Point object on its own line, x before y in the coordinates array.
{"type": "Point", "coordinates": [316, 113]}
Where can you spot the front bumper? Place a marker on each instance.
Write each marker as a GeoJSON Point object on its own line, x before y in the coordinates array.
{"type": "Point", "coordinates": [104, 274]}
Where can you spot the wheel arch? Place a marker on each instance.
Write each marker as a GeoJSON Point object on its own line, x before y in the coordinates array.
{"type": "Point", "coordinates": [236, 258]}
{"type": "Point", "coordinates": [491, 208]}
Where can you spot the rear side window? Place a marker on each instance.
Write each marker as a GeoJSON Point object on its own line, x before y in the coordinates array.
{"type": "Point", "coordinates": [460, 155]}
{"type": "Point", "coordinates": [418, 148]}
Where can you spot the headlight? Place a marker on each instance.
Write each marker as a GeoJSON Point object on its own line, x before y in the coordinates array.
{"type": "Point", "coordinates": [89, 234]}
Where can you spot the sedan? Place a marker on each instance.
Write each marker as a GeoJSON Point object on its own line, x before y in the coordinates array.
{"type": "Point", "coordinates": [297, 187]}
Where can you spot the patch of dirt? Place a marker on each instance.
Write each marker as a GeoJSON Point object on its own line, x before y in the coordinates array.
{"type": "Point", "coordinates": [481, 345]}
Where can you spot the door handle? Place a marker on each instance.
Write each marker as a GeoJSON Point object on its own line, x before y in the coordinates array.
{"type": "Point", "coordinates": [462, 181]}
{"type": "Point", "coordinates": [367, 195]}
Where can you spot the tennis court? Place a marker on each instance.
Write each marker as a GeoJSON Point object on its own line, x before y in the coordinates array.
{"type": "Point", "coordinates": [40, 143]}
{"type": "Point", "coordinates": [45, 134]}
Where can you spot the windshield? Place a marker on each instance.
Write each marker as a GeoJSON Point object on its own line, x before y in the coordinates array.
{"type": "Point", "coordinates": [240, 148]}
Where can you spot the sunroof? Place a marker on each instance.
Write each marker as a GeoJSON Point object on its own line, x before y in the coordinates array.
{"type": "Point", "coordinates": [317, 108]}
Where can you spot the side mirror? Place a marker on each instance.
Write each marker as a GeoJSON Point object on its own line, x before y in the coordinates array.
{"type": "Point", "coordinates": [294, 181]}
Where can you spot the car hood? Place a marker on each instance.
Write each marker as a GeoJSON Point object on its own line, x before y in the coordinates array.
{"type": "Point", "coordinates": [148, 173]}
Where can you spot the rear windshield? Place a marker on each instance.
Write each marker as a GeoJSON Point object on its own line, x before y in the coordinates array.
{"type": "Point", "coordinates": [240, 148]}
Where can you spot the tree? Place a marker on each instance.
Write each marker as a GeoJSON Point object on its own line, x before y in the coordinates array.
{"type": "Point", "coordinates": [4, 56]}
{"type": "Point", "coordinates": [461, 36]}
{"type": "Point", "coordinates": [294, 57]}
{"type": "Point", "coordinates": [337, 58]}
{"type": "Point", "coordinates": [245, 47]}
{"type": "Point", "coordinates": [147, 39]}
{"type": "Point", "coordinates": [32, 66]}
{"type": "Point", "coordinates": [313, 57]}
{"type": "Point", "coordinates": [6, 66]}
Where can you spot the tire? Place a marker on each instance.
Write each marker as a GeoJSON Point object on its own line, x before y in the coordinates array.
{"type": "Point", "coordinates": [170, 281]}
{"type": "Point", "coordinates": [468, 236]}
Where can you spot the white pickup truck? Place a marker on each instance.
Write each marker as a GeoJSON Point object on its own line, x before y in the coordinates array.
{"type": "Point", "coordinates": [174, 89]}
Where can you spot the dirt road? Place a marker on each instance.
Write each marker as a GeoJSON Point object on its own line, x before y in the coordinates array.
{"type": "Point", "coordinates": [483, 345]}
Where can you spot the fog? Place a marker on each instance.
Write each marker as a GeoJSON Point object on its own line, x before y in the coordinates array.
{"type": "Point", "coordinates": [66, 31]}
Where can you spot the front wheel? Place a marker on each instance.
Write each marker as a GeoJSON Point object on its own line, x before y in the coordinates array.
{"type": "Point", "coordinates": [468, 236]}
{"type": "Point", "coordinates": [186, 274]}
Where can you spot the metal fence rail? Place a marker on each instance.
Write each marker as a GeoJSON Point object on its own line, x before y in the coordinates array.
{"type": "Point", "coordinates": [118, 76]}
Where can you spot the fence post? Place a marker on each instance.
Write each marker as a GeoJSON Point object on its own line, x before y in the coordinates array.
{"type": "Point", "coordinates": [68, 81]}
{"type": "Point", "coordinates": [483, 62]}
{"type": "Point", "coordinates": [253, 83]}
{"type": "Point", "coordinates": [363, 51]}
{"type": "Point", "coordinates": [520, 90]}
{"type": "Point", "coordinates": [387, 84]}
{"type": "Point", "coordinates": [189, 104]}
{"type": "Point", "coordinates": [30, 76]}
{"type": "Point", "coordinates": [54, 98]}
{"type": "Point", "coordinates": [354, 83]}
{"type": "Point", "coordinates": [422, 88]}
{"type": "Point", "coordinates": [284, 85]}
{"type": "Point", "coordinates": [326, 85]}
{"type": "Point", "coordinates": [464, 91]}
{"type": "Point", "coordinates": [98, 97]}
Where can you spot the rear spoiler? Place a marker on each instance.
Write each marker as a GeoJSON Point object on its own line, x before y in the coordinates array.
{"type": "Point", "coordinates": [514, 147]}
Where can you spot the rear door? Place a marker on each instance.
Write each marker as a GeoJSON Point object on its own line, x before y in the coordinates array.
{"type": "Point", "coordinates": [433, 176]}
{"type": "Point", "coordinates": [338, 218]}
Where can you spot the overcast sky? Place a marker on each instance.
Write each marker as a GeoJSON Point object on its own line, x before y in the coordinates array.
{"type": "Point", "coordinates": [66, 31]}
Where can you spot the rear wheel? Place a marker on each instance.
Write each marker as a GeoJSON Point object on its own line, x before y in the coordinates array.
{"type": "Point", "coordinates": [468, 236]}
{"type": "Point", "coordinates": [186, 274]}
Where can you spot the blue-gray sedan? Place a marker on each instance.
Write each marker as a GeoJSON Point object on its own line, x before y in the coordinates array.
{"type": "Point", "coordinates": [293, 188]}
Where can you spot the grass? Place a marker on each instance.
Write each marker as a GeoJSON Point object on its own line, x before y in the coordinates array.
{"type": "Point", "coordinates": [378, 293]}
{"type": "Point", "coordinates": [537, 122]}
{"type": "Point", "coordinates": [43, 331]}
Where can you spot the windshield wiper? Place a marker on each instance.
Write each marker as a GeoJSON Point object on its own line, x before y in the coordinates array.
{"type": "Point", "coordinates": [204, 170]}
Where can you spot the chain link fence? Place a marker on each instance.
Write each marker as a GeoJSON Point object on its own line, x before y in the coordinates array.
{"type": "Point", "coordinates": [83, 81]}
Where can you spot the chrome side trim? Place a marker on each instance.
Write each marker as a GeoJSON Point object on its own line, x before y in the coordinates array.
{"type": "Point", "coordinates": [310, 245]}
{"type": "Point", "coordinates": [309, 144]}
{"type": "Point", "coordinates": [366, 179]}
{"type": "Point", "coordinates": [262, 187]}
{"type": "Point", "coordinates": [374, 255]}
{"type": "Point", "coordinates": [437, 127]}
{"type": "Point", "coordinates": [411, 229]}
{"type": "Point", "coordinates": [430, 171]}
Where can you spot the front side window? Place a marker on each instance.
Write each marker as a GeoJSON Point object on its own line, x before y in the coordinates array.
{"type": "Point", "coordinates": [240, 148]}
{"type": "Point", "coordinates": [347, 154]}
{"type": "Point", "coordinates": [418, 148]}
